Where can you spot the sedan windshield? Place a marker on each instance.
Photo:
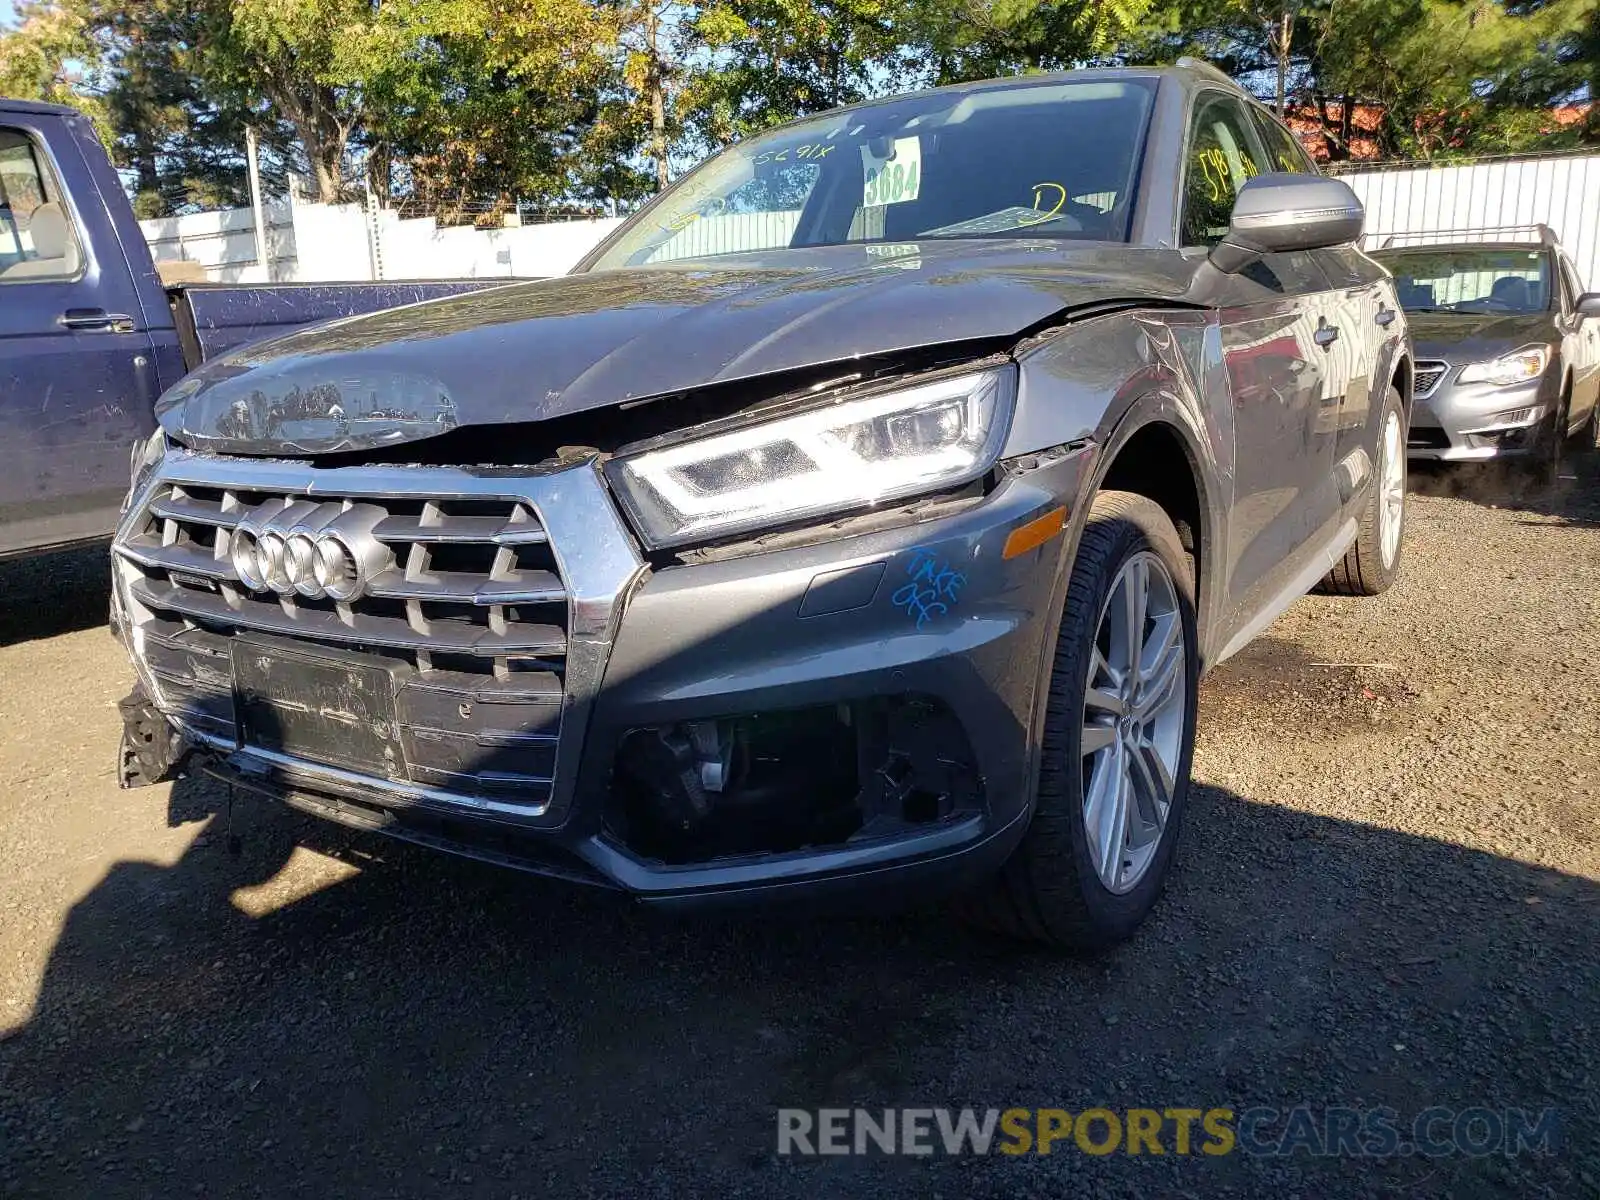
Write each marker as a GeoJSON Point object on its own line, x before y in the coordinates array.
{"type": "Point", "coordinates": [1050, 159]}
{"type": "Point", "coordinates": [1471, 280]}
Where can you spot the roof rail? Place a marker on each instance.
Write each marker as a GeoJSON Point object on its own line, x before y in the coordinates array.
{"type": "Point", "coordinates": [1546, 235]}
{"type": "Point", "coordinates": [1192, 63]}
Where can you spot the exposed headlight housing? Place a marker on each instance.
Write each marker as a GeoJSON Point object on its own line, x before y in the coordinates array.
{"type": "Point", "coordinates": [852, 453]}
{"type": "Point", "coordinates": [143, 459]}
{"type": "Point", "coordinates": [1520, 366]}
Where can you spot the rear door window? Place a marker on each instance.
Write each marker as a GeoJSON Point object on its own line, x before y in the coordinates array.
{"type": "Point", "coordinates": [37, 241]}
{"type": "Point", "coordinates": [1284, 151]}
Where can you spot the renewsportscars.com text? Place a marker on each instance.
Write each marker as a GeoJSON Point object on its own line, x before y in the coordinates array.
{"type": "Point", "coordinates": [1318, 1132]}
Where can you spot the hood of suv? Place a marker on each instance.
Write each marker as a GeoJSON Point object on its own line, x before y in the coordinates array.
{"type": "Point", "coordinates": [1473, 337]}
{"type": "Point", "coordinates": [533, 351]}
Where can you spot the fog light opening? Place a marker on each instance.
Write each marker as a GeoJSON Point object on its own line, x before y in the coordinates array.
{"type": "Point", "coordinates": [791, 780]}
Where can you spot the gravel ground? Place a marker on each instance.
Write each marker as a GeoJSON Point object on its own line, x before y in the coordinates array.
{"type": "Point", "coordinates": [1386, 895]}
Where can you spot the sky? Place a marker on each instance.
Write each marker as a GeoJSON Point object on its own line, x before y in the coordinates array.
{"type": "Point", "coordinates": [6, 12]}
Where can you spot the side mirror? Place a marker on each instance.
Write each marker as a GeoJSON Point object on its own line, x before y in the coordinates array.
{"type": "Point", "coordinates": [1588, 305]}
{"type": "Point", "coordinates": [1280, 212]}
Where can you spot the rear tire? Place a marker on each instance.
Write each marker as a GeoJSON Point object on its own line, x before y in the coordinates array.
{"type": "Point", "coordinates": [1373, 563]}
{"type": "Point", "coordinates": [1583, 438]}
{"type": "Point", "coordinates": [1054, 889]}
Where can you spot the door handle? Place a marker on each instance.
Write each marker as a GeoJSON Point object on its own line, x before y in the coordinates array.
{"type": "Point", "coordinates": [1385, 317]}
{"type": "Point", "coordinates": [95, 318]}
{"type": "Point", "coordinates": [1326, 335]}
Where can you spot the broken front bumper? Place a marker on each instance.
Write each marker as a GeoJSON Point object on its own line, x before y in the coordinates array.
{"type": "Point", "coordinates": [1455, 422]}
{"type": "Point", "coordinates": [822, 717]}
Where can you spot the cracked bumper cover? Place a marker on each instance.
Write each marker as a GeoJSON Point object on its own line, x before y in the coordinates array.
{"type": "Point", "coordinates": [1468, 422]}
{"type": "Point", "coordinates": [827, 623]}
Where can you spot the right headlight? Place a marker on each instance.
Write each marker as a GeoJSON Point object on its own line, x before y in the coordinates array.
{"type": "Point", "coordinates": [850, 454]}
{"type": "Point", "coordinates": [1520, 366]}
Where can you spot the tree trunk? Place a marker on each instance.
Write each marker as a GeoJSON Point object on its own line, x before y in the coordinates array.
{"type": "Point", "coordinates": [143, 155]}
{"type": "Point", "coordinates": [320, 135]}
{"type": "Point", "coordinates": [1335, 142]}
{"type": "Point", "coordinates": [656, 86]}
{"type": "Point", "coordinates": [380, 172]}
{"type": "Point", "coordinates": [1284, 38]}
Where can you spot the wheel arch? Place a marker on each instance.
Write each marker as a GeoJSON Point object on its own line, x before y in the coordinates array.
{"type": "Point", "coordinates": [1401, 379]}
{"type": "Point", "coordinates": [1153, 453]}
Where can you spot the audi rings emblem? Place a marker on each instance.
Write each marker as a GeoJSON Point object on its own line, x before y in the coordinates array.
{"type": "Point", "coordinates": [310, 549]}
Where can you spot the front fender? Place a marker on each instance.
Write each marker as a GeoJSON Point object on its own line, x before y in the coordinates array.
{"type": "Point", "coordinates": [1106, 380]}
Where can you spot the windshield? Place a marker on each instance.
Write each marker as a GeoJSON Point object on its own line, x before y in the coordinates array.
{"type": "Point", "coordinates": [1050, 159]}
{"type": "Point", "coordinates": [1471, 280]}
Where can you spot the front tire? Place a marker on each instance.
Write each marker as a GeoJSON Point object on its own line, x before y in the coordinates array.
{"type": "Point", "coordinates": [1543, 467]}
{"type": "Point", "coordinates": [1118, 740]}
{"type": "Point", "coordinates": [1373, 563]}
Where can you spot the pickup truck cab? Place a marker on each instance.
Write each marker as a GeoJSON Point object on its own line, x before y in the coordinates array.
{"type": "Point", "coordinates": [858, 518]}
{"type": "Point", "coordinates": [89, 337]}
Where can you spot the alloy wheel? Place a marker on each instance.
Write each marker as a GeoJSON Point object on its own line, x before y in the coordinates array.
{"type": "Point", "coordinates": [1134, 707]}
{"type": "Point", "coordinates": [1392, 490]}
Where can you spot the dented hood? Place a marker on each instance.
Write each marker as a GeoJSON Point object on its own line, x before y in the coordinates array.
{"type": "Point", "coordinates": [531, 351]}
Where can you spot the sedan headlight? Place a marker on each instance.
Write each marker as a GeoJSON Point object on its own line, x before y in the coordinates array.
{"type": "Point", "coordinates": [1520, 366]}
{"type": "Point", "coordinates": [850, 454]}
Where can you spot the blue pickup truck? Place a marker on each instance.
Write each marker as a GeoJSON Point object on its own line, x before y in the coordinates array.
{"type": "Point", "coordinates": [89, 336]}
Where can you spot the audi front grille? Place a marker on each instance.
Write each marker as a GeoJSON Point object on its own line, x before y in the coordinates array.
{"type": "Point", "coordinates": [442, 593]}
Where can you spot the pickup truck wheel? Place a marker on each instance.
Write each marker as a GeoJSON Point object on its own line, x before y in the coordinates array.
{"type": "Point", "coordinates": [1118, 740]}
{"type": "Point", "coordinates": [1373, 563]}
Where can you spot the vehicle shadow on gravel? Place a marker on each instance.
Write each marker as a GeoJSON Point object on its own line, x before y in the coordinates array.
{"type": "Point", "coordinates": [55, 593]}
{"type": "Point", "coordinates": [428, 1025]}
{"type": "Point", "coordinates": [1574, 499]}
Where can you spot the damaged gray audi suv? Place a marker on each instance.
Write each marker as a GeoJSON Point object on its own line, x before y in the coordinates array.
{"type": "Point", "coordinates": [856, 520]}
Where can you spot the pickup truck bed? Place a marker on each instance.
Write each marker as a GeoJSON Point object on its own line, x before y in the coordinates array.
{"type": "Point", "coordinates": [89, 336]}
{"type": "Point", "coordinates": [213, 318]}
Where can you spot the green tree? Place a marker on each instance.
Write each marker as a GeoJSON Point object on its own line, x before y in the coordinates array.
{"type": "Point", "coordinates": [976, 39]}
{"type": "Point", "coordinates": [1445, 77]}
{"type": "Point", "coordinates": [49, 54]}
{"type": "Point", "coordinates": [488, 101]}
{"type": "Point", "coordinates": [761, 62]}
{"type": "Point", "coordinates": [179, 137]}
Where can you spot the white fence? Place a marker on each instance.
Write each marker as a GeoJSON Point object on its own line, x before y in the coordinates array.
{"type": "Point", "coordinates": [323, 242]}
{"type": "Point", "coordinates": [224, 243]}
{"type": "Point", "coordinates": [1561, 191]}
{"type": "Point", "coordinates": [328, 242]}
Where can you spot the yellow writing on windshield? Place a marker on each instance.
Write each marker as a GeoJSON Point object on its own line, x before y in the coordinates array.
{"type": "Point", "coordinates": [1039, 192]}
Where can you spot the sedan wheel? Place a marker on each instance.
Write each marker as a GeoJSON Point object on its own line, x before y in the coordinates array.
{"type": "Point", "coordinates": [1392, 489]}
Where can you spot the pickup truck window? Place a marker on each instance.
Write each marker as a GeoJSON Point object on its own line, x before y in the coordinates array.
{"type": "Point", "coordinates": [37, 242]}
{"type": "Point", "coordinates": [1049, 160]}
{"type": "Point", "coordinates": [1222, 155]}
